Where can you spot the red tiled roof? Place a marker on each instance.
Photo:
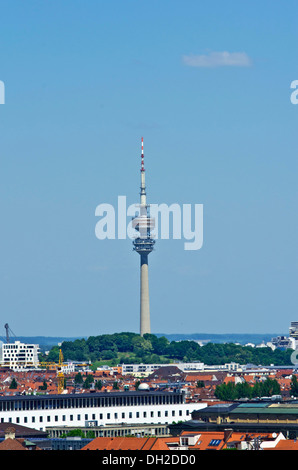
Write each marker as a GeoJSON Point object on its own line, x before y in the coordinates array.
{"type": "Point", "coordinates": [286, 444]}
{"type": "Point", "coordinates": [121, 443]}
{"type": "Point", "coordinates": [11, 444]}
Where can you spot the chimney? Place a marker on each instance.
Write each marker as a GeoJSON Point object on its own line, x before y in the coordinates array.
{"type": "Point", "coordinates": [10, 433]}
{"type": "Point", "coordinates": [227, 434]}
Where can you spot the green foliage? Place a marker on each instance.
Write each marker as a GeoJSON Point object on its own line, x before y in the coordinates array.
{"type": "Point", "coordinates": [88, 381]}
{"type": "Point", "coordinates": [128, 348]}
{"type": "Point", "coordinates": [75, 433]}
{"type": "Point", "coordinates": [231, 391]}
{"type": "Point", "coordinates": [13, 384]}
{"type": "Point", "coordinates": [98, 384]}
{"type": "Point", "coordinates": [294, 386]}
{"type": "Point", "coordinates": [44, 386]}
{"type": "Point", "coordinates": [78, 379]}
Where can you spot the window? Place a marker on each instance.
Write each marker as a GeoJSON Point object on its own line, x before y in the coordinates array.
{"type": "Point", "coordinates": [79, 417]}
{"type": "Point", "coordinates": [130, 414]}
{"type": "Point", "coordinates": [108, 415]}
{"type": "Point", "coordinates": [123, 416]}
{"type": "Point", "coordinates": [214, 442]}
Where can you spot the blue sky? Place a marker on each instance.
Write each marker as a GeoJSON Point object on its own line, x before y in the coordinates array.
{"type": "Point", "coordinates": [83, 82]}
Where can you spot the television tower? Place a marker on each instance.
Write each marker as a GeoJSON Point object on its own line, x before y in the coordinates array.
{"type": "Point", "coordinates": [143, 244]}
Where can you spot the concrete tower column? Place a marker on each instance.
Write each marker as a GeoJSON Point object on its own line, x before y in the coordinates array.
{"type": "Point", "coordinates": [144, 297]}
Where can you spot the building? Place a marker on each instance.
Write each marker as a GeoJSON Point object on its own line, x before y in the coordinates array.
{"type": "Point", "coordinates": [258, 416]}
{"type": "Point", "coordinates": [16, 437]}
{"type": "Point", "coordinates": [293, 330]}
{"type": "Point", "coordinates": [143, 245]}
{"type": "Point", "coordinates": [95, 409]}
{"type": "Point", "coordinates": [12, 443]}
{"type": "Point", "coordinates": [283, 342]}
{"type": "Point", "coordinates": [19, 356]}
{"type": "Point", "coordinates": [146, 369]}
{"type": "Point", "coordinates": [112, 430]}
{"type": "Point", "coordinates": [190, 441]}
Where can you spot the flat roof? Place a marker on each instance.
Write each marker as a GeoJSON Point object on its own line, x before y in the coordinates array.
{"type": "Point", "coordinates": [126, 393]}
{"type": "Point", "coordinates": [266, 409]}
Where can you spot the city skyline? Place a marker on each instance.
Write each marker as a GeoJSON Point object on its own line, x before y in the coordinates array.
{"type": "Point", "coordinates": [209, 89]}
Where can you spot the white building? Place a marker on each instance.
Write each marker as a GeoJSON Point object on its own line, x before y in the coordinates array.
{"type": "Point", "coordinates": [146, 369]}
{"type": "Point", "coordinates": [102, 408]}
{"type": "Point", "coordinates": [19, 356]}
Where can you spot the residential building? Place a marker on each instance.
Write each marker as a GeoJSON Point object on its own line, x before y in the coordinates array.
{"type": "Point", "coordinates": [190, 441]}
{"type": "Point", "coordinates": [19, 356]}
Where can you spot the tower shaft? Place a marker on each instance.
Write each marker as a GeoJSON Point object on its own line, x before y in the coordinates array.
{"type": "Point", "coordinates": [144, 297]}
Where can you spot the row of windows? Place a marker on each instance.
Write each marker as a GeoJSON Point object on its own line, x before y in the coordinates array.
{"type": "Point", "coordinates": [100, 416]}
{"type": "Point", "coordinates": [90, 402]}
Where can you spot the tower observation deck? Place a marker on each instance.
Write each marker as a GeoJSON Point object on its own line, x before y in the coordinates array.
{"type": "Point", "coordinates": [144, 244]}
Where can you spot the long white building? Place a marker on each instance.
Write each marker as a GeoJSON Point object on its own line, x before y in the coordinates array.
{"type": "Point", "coordinates": [148, 407]}
{"type": "Point", "coordinates": [146, 369]}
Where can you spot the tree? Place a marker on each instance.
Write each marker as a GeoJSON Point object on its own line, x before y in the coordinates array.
{"type": "Point", "coordinates": [141, 346]}
{"type": "Point", "coordinates": [44, 386]}
{"type": "Point", "coordinates": [78, 379]}
{"type": "Point", "coordinates": [137, 384]}
{"type": "Point", "coordinates": [108, 354]}
{"type": "Point", "coordinates": [98, 384]}
{"type": "Point", "coordinates": [270, 387]}
{"type": "Point", "coordinates": [294, 386]}
{"type": "Point", "coordinates": [200, 384]}
{"type": "Point", "coordinates": [75, 433]}
{"type": "Point", "coordinates": [88, 381]}
{"type": "Point", "coordinates": [13, 384]}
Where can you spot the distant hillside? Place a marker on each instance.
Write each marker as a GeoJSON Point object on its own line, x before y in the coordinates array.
{"type": "Point", "coordinates": [45, 342]}
{"type": "Point", "coordinates": [241, 338]}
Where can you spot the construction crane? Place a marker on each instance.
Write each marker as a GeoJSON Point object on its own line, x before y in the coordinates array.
{"type": "Point", "coordinates": [8, 331]}
{"type": "Point", "coordinates": [60, 374]}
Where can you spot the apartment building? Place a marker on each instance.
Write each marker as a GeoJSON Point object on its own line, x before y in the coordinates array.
{"type": "Point", "coordinates": [19, 356]}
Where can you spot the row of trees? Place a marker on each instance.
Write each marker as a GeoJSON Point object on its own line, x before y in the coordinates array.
{"type": "Point", "coordinates": [231, 391]}
{"type": "Point", "coordinates": [269, 387]}
{"type": "Point", "coordinates": [131, 347]}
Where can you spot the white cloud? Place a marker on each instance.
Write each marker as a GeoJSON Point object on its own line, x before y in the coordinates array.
{"type": "Point", "coordinates": [218, 59]}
